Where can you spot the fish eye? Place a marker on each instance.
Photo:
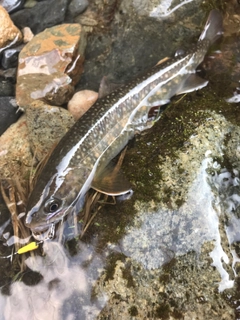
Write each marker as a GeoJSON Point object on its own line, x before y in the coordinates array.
{"type": "Point", "coordinates": [52, 205]}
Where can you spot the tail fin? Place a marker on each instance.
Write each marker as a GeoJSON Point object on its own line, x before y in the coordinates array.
{"type": "Point", "coordinates": [213, 28]}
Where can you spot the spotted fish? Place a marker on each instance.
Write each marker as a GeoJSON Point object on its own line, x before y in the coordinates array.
{"type": "Point", "coordinates": [81, 159]}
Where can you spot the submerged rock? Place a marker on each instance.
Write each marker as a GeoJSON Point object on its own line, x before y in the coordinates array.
{"type": "Point", "coordinates": [172, 256]}
{"type": "Point", "coordinates": [50, 65]}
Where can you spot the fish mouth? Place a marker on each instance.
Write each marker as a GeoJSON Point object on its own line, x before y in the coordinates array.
{"type": "Point", "coordinates": [41, 228]}
{"type": "Point", "coordinates": [45, 229]}
{"type": "Point", "coordinates": [38, 225]}
{"type": "Point", "coordinates": [44, 232]}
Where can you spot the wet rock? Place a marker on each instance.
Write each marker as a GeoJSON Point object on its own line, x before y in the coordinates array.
{"type": "Point", "coordinates": [152, 8]}
{"type": "Point", "coordinates": [77, 6]}
{"type": "Point", "coordinates": [7, 83]}
{"type": "Point", "coordinates": [49, 66]}
{"type": "Point", "coordinates": [12, 5]}
{"type": "Point", "coordinates": [43, 15]}
{"type": "Point", "coordinates": [54, 89]}
{"type": "Point", "coordinates": [8, 112]}
{"type": "Point", "coordinates": [120, 52]}
{"type": "Point", "coordinates": [47, 125]}
{"type": "Point", "coordinates": [9, 33]}
{"type": "Point", "coordinates": [177, 242]}
{"type": "Point", "coordinates": [15, 153]}
{"type": "Point", "coordinates": [81, 102]}
{"type": "Point", "coordinates": [10, 57]}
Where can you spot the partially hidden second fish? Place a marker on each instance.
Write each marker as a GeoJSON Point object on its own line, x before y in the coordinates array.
{"type": "Point", "coordinates": [81, 158]}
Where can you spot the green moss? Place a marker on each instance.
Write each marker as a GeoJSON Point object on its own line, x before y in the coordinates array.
{"type": "Point", "coordinates": [214, 4]}
{"type": "Point", "coordinates": [111, 264]}
{"type": "Point", "coordinates": [162, 311]}
{"type": "Point", "coordinates": [164, 278]}
{"type": "Point", "coordinates": [133, 311]}
{"type": "Point", "coordinates": [176, 314]}
{"type": "Point", "coordinates": [60, 43]}
{"type": "Point", "coordinates": [127, 274]}
{"type": "Point", "coordinates": [73, 29]}
{"type": "Point", "coordinates": [179, 202]}
{"type": "Point", "coordinates": [170, 265]}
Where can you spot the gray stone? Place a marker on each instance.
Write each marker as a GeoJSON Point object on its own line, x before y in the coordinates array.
{"type": "Point", "coordinates": [77, 6]}
{"type": "Point", "coordinates": [43, 15]}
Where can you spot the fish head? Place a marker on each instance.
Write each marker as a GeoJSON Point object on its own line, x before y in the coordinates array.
{"type": "Point", "coordinates": [59, 197]}
{"type": "Point", "coordinates": [47, 211]}
{"type": "Point", "coordinates": [51, 210]}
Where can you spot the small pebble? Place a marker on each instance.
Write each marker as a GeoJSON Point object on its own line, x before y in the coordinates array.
{"type": "Point", "coordinates": [27, 34]}
{"type": "Point", "coordinates": [77, 6]}
{"type": "Point", "coordinates": [81, 102]}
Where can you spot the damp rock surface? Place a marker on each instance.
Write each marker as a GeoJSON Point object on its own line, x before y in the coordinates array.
{"type": "Point", "coordinates": [50, 65]}
{"type": "Point", "coordinates": [177, 244]}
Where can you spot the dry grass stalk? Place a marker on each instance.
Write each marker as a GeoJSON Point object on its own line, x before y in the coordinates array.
{"type": "Point", "coordinates": [15, 199]}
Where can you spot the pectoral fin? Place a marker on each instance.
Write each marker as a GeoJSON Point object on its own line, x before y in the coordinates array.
{"type": "Point", "coordinates": [111, 181]}
{"type": "Point", "coordinates": [192, 83]}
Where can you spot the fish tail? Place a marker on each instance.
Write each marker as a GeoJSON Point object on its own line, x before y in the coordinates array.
{"type": "Point", "coordinates": [213, 28]}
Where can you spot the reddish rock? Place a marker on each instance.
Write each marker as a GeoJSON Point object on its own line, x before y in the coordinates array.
{"type": "Point", "coordinates": [9, 33]}
{"type": "Point", "coordinates": [50, 65]}
{"type": "Point", "coordinates": [81, 102]}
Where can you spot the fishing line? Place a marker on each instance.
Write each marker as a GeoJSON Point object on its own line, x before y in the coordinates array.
{"type": "Point", "coordinates": [32, 245]}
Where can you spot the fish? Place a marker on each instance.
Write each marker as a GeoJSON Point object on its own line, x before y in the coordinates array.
{"type": "Point", "coordinates": [82, 158]}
